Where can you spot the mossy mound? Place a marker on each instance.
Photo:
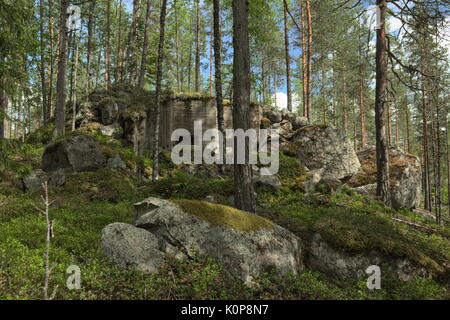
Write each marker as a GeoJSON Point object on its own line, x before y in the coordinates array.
{"type": "Point", "coordinates": [292, 173]}
{"type": "Point", "coordinates": [356, 224]}
{"type": "Point", "coordinates": [223, 216]}
{"type": "Point", "coordinates": [105, 184]}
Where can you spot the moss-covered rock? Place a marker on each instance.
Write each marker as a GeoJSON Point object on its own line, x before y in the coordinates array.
{"type": "Point", "coordinates": [405, 174]}
{"type": "Point", "coordinates": [246, 244]}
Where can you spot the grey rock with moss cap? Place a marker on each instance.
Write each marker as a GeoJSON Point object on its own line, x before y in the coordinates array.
{"type": "Point", "coordinates": [245, 244]}
{"type": "Point", "coordinates": [325, 147]}
{"type": "Point", "coordinates": [79, 153]}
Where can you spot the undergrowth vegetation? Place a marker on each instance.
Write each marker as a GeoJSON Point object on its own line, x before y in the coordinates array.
{"type": "Point", "coordinates": [90, 201]}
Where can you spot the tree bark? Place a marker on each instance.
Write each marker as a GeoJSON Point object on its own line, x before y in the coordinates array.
{"type": "Point", "coordinates": [159, 74]}
{"type": "Point", "coordinates": [141, 81]}
{"type": "Point", "coordinates": [244, 193]}
{"type": "Point", "coordinates": [304, 61]}
{"type": "Point", "coordinates": [383, 185]}
{"type": "Point", "coordinates": [89, 47]}
{"type": "Point", "coordinates": [197, 47]}
{"type": "Point", "coordinates": [218, 66]}
{"type": "Point", "coordinates": [131, 53]}
{"type": "Point", "coordinates": [60, 108]}
{"type": "Point", "coordinates": [52, 61]}
{"type": "Point", "coordinates": [108, 45]}
{"type": "Point", "coordinates": [309, 65]}
{"type": "Point", "coordinates": [287, 57]}
{"type": "Point", "coordinates": [45, 112]}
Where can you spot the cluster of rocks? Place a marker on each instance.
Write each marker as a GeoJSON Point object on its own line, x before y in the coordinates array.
{"type": "Point", "coordinates": [286, 122]}
{"type": "Point", "coordinates": [331, 161]}
{"type": "Point", "coordinates": [162, 229]}
{"type": "Point", "coordinates": [73, 154]}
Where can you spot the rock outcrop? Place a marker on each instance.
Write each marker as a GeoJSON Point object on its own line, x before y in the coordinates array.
{"type": "Point", "coordinates": [325, 258]}
{"type": "Point", "coordinates": [325, 147]}
{"type": "Point", "coordinates": [405, 177]}
{"type": "Point", "coordinates": [78, 153]}
{"type": "Point", "coordinates": [245, 244]}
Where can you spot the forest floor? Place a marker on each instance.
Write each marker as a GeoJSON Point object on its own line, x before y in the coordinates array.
{"type": "Point", "coordinates": [90, 201]}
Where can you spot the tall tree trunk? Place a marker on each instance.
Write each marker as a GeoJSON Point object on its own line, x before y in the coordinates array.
{"type": "Point", "coordinates": [75, 80]}
{"type": "Point", "coordinates": [309, 65]}
{"type": "Point", "coordinates": [52, 61]}
{"type": "Point", "coordinates": [362, 110]}
{"type": "Point", "coordinates": [118, 70]}
{"type": "Point", "coordinates": [263, 79]}
{"type": "Point", "coordinates": [408, 139]}
{"type": "Point", "coordinates": [3, 113]}
{"type": "Point", "coordinates": [287, 57]}
{"type": "Point", "coordinates": [89, 47]}
{"type": "Point", "coordinates": [197, 47]}
{"type": "Point", "coordinates": [177, 47]}
{"type": "Point", "coordinates": [108, 45]}
{"type": "Point", "coordinates": [211, 62]}
{"type": "Point", "coordinates": [145, 45]}
{"type": "Point", "coordinates": [304, 61]}
{"type": "Point", "coordinates": [218, 68]}
{"type": "Point", "coordinates": [244, 192]}
{"type": "Point", "coordinates": [45, 112]}
{"type": "Point", "coordinates": [60, 108]}
{"type": "Point", "coordinates": [158, 104]}
{"type": "Point", "coordinates": [275, 87]}
{"type": "Point", "coordinates": [131, 50]}
{"type": "Point", "coordinates": [383, 185]}
{"type": "Point", "coordinates": [426, 160]}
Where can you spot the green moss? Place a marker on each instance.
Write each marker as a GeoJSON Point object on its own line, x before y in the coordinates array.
{"type": "Point", "coordinates": [265, 123]}
{"type": "Point", "coordinates": [292, 173]}
{"type": "Point", "coordinates": [105, 184]}
{"type": "Point", "coordinates": [180, 185]}
{"type": "Point", "coordinates": [219, 215]}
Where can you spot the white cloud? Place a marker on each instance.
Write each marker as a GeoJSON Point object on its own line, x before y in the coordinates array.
{"type": "Point", "coordinates": [281, 98]}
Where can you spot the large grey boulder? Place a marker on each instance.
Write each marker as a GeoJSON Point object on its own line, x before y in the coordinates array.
{"type": "Point", "coordinates": [245, 244]}
{"type": "Point", "coordinates": [405, 178]}
{"type": "Point", "coordinates": [335, 262]}
{"type": "Point", "coordinates": [325, 147]}
{"type": "Point", "coordinates": [80, 153]}
{"type": "Point", "coordinates": [35, 179]}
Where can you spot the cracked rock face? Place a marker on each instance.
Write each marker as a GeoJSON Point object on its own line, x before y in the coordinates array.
{"type": "Point", "coordinates": [163, 226]}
